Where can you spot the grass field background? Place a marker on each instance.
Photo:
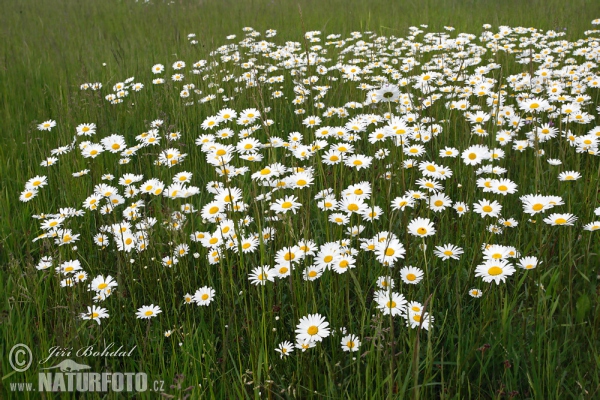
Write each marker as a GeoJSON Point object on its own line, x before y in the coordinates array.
{"type": "Point", "coordinates": [515, 342]}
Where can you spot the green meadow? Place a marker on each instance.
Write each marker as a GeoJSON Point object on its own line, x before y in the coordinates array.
{"type": "Point", "coordinates": [314, 199]}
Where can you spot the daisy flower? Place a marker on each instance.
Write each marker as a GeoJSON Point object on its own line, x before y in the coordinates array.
{"type": "Point", "coordinates": [305, 344]}
{"type": "Point", "coordinates": [312, 327]}
{"type": "Point", "coordinates": [560, 219]}
{"type": "Point", "coordinates": [28, 194]}
{"type": "Point", "coordinates": [388, 251]}
{"type": "Point", "coordinates": [421, 227]}
{"type": "Point", "coordinates": [350, 343]}
{"type": "Point", "coordinates": [188, 298]}
{"type": "Point", "coordinates": [147, 312]}
{"type": "Point", "coordinates": [592, 226]}
{"type": "Point", "coordinates": [494, 270]}
{"type": "Point", "coordinates": [288, 203]}
{"type": "Point", "coordinates": [448, 251]}
{"type": "Point", "coordinates": [487, 208]}
{"type": "Point", "coordinates": [476, 293]}
{"type": "Point", "coordinates": [411, 275]}
{"type": "Point", "coordinates": [36, 182]}
{"type": "Point", "coordinates": [569, 176]}
{"type": "Point", "coordinates": [204, 296]}
{"type": "Point", "coordinates": [47, 126]}
{"type": "Point", "coordinates": [528, 262]}
{"type": "Point", "coordinates": [391, 303]}
{"type": "Point", "coordinates": [423, 320]}
{"type": "Point", "coordinates": [95, 313]}
{"type": "Point", "coordinates": [285, 348]}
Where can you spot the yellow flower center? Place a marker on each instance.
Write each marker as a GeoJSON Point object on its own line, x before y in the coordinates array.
{"type": "Point", "coordinates": [411, 277]}
{"type": "Point", "coordinates": [495, 271]}
{"type": "Point", "coordinates": [487, 209]}
{"type": "Point", "coordinates": [312, 330]}
{"type": "Point", "coordinates": [421, 231]}
{"type": "Point", "coordinates": [148, 313]}
{"type": "Point", "coordinates": [205, 296]}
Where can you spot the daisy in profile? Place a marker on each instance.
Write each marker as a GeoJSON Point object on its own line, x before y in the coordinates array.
{"type": "Point", "coordinates": [47, 126]}
{"type": "Point", "coordinates": [448, 251]}
{"type": "Point", "coordinates": [147, 312]}
{"type": "Point", "coordinates": [476, 293]}
{"type": "Point", "coordinates": [350, 343]}
{"type": "Point", "coordinates": [421, 227]}
{"type": "Point", "coordinates": [285, 348]}
{"type": "Point", "coordinates": [592, 226]}
{"type": "Point", "coordinates": [494, 270]}
{"type": "Point", "coordinates": [569, 176]}
{"type": "Point", "coordinates": [411, 275]}
{"type": "Point", "coordinates": [204, 296]}
{"type": "Point", "coordinates": [313, 327]}
{"type": "Point", "coordinates": [528, 262]}
{"type": "Point", "coordinates": [560, 219]}
{"type": "Point", "coordinates": [487, 208]}
{"type": "Point", "coordinates": [95, 313]}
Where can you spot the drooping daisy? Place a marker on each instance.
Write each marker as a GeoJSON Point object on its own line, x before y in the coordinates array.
{"type": "Point", "coordinates": [147, 312]}
{"type": "Point", "coordinates": [312, 327]}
